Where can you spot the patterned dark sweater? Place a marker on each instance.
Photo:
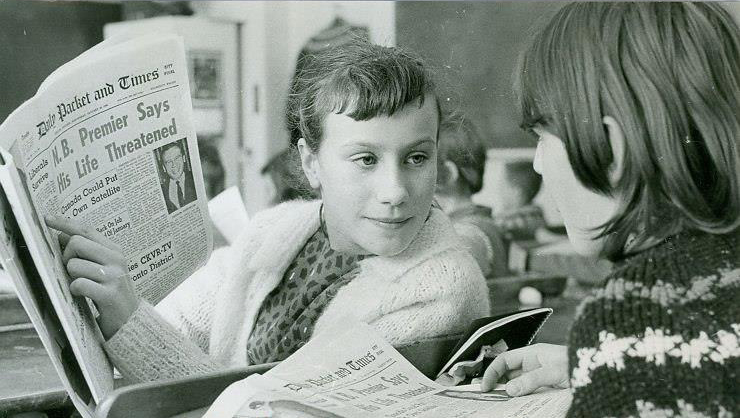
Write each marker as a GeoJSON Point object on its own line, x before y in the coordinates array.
{"type": "Point", "coordinates": [288, 314]}
{"type": "Point", "coordinates": [660, 339]}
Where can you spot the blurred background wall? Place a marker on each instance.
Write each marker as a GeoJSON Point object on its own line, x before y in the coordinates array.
{"type": "Point", "coordinates": [37, 37]}
{"type": "Point", "coordinates": [475, 46]}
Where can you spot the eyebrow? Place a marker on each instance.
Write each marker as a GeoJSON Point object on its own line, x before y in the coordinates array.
{"type": "Point", "coordinates": [371, 145]}
{"type": "Point", "coordinates": [423, 141]}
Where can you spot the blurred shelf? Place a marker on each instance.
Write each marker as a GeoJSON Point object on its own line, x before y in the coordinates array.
{"type": "Point", "coordinates": [29, 381]}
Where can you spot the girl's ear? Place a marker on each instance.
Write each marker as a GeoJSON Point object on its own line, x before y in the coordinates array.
{"type": "Point", "coordinates": [616, 140]}
{"type": "Point", "coordinates": [309, 163]}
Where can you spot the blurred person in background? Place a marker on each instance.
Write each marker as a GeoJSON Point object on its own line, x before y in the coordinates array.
{"type": "Point", "coordinates": [461, 163]}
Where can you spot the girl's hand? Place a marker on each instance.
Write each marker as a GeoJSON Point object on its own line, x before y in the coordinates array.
{"type": "Point", "coordinates": [99, 271]}
{"type": "Point", "coordinates": [529, 368]}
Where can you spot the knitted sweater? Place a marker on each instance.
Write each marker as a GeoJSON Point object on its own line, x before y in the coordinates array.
{"type": "Point", "coordinates": [661, 338]}
{"type": "Point", "coordinates": [432, 288]}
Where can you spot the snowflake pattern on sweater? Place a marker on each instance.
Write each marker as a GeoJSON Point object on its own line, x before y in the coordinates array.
{"type": "Point", "coordinates": [660, 339]}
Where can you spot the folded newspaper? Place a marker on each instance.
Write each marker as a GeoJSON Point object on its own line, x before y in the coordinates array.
{"type": "Point", "coordinates": [351, 371]}
{"type": "Point", "coordinates": [107, 141]}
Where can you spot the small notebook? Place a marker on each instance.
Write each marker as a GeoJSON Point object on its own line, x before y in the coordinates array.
{"type": "Point", "coordinates": [516, 329]}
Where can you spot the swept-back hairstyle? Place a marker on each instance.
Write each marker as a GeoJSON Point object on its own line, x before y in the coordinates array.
{"type": "Point", "coordinates": [461, 143]}
{"type": "Point", "coordinates": [669, 73]}
{"type": "Point", "coordinates": [357, 79]}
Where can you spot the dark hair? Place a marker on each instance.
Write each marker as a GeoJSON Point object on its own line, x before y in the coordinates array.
{"type": "Point", "coordinates": [357, 79]}
{"type": "Point", "coordinates": [165, 147]}
{"type": "Point", "coordinates": [668, 73]}
{"type": "Point", "coordinates": [461, 143]}
{"type": "Point", "coordinates": [282, 168]}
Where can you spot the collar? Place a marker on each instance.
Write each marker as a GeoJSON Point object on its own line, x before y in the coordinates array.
{"type": "Point", "coordinates": [180, 179]}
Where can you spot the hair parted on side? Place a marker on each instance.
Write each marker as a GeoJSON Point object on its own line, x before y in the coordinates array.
{"type": "Point", "coordinates": [175, 144]}
{"type": "Point", "coordinates": [358, 79]}
{"type": "Point", "coordinates": [669, 74]}
{"type": "Point", "coordinates": [461, 143]}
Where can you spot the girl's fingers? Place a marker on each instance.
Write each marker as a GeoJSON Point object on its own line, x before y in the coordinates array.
{"type": "Point", "coordinates": [78, 267]}
{"type": "Point", "coordinates": [513, 374]}
{"type": "Point", "coordinates": [497, 369]}
{"type": "Point", "coordinates": [530, 381]}
{"type": "Point", "coordinates": [63, 240]}
{"type": "Point", "coordinates": [505, 363]}
{"type": "Point", "coordinates": [72, 228]}
{"type": "Point", "coordinates": [88, 288]}
{"type": "Point", "coordinates": [82, 247]}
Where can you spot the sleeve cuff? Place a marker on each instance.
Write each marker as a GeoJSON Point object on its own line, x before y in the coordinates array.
{"type": "Point", "coordinates": [147, 348]}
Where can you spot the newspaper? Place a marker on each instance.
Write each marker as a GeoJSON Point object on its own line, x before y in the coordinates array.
{"type": "Point", "coordinates": [108, 141]}
{"type": "Point", "coordinates": [17, 261]}
{"type": "Point", "coordinates": [351, 371]}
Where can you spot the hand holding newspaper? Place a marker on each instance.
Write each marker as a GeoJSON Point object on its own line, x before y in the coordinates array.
{"type": "Point", "coordinates": [351, 371]}
{"type": "Point", "coordinates": [107, 143]}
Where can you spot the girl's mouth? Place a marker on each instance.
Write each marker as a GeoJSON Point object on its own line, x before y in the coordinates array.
{"type": "Point", "coordinates": [390, 223]}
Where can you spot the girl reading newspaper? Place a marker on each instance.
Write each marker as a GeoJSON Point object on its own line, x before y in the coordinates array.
{"type": "Point", "coordinates": [636, 109]}
{"type": "Point", "coordinates": [374, 248]}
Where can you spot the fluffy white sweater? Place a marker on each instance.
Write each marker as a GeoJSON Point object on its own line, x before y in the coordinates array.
{"type": "Point", "coordinates": [432, 288]}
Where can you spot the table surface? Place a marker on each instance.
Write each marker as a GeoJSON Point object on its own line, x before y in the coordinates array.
{"type": "Point", "coordinates": [30, 382]}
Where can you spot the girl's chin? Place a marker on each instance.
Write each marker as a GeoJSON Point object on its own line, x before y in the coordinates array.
{"type": "Point", "coordinates": [375, 247]}
{"type": "Point", "coordinates": [584, 243]}
{"type": "Point", "coordinates": [368, 238]}
{"type": "Point", "coordinates": [387, 249]}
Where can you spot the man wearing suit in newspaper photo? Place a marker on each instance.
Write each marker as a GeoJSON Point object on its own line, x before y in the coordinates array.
{"type": "Point", "coordinates": [176, 178]}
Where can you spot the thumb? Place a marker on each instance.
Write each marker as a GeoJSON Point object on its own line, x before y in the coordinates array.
{"type": "Point", "coordinates": [530, 381]}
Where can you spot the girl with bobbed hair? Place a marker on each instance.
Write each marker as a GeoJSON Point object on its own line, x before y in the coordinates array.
{"type": "Point", "coordinates": [636, 109]}
{"type": "Point", "coordinates": [372, 249]}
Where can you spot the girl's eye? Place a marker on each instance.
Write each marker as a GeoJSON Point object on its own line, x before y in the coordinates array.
{"type": "Point", "coordinates": [417, 159]}
{"type": "Point", "coordinates": [365, 160]}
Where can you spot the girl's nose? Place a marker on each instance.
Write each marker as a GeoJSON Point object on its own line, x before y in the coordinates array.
{"type": "Point", "coordinates": [391, 187]}
{"type": "Point", "coordinates": [537, 163]}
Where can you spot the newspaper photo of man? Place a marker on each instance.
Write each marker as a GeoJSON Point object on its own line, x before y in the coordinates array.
{"type": "Point", "coordinates": [175, 175]}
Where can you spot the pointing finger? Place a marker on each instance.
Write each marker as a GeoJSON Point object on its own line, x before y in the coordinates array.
{"type": "Point", "coordinates": [71, 228]}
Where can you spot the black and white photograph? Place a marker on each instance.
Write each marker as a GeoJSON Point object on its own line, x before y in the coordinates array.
{"type": "Point", "coordinates": [175, 175]}
{"type": "Point", "coordinates": [558, 179]}
{"type": "Point", "coordinates": [205, 67]}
